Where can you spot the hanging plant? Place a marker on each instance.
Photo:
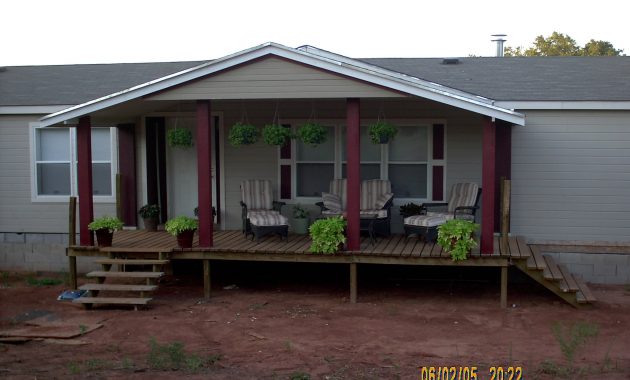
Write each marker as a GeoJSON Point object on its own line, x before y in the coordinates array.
{"type": "Point", "coordinates": [243, 134]}
{"type": "Point", "coordinates": [180, 138]}
{"type": "Point", "coordinates": [381, 132]}
{"type": "Point", "coordinates": [274, 134]}
{"type": "Point", "coordinates": [312, 133]}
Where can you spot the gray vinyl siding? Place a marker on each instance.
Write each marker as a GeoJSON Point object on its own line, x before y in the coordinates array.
{"type": "Point", "coordinates": [274, 78]}
{"type": "Point", "coordinates": [17, 212]}
{"type": "Point", "coordinates": [571, 177]}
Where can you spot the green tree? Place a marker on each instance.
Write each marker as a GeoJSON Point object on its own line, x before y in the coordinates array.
{"type": "Point", "coordinates": [559, 44]}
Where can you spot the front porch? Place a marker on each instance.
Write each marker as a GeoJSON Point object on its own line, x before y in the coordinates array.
{"type": "Point", "coordinates": [395, 250]}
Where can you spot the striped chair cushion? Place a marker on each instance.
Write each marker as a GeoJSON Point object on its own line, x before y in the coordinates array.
{"type": "Point", "coordinates": [339, 187]}
{"type": "Point", "coordinates": [382, 200]}
{"type": "Point", "coordinates": [425, 220]}
{"type": "Point", "coordinates": [268, 220]}
{"type": "Point", "coordinates": [450, 216]}
{"type": "Point", "coordinates": [371, 190]}
{"type": "Point", "coordinates": [251, 213]}
{"type": "Point", "coordinates": [462, 194]}
{"type": "Point", "coordinates": [332, 202]}
{"type": "Point", "coordinates": [257, 194]}
{"type": "Point", "coordinates": [333, 213]}
{"type": "Point", "coordinates": [380, 213]}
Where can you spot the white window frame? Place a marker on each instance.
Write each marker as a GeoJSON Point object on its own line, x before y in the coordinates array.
{"type": "Point", "coordinates": [35, 197]}
{"type": "Point", "coordinates": [339, 126]}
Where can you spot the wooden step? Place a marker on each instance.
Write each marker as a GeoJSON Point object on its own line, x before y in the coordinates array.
{"type": "Point", "coordinates": [119, 287]}
{"type": "Point", "coordinates": [568, 278]}
{"type": "Point", "coordinates": [125, 274]}
{"type": "Point", "coordinates": [537, 258]}
{"type": "Point", "coordinates": [112, 300]}
{"type": "Point", "coordinates": [132, 262]}
{"type": "Point", "coordinates": [584, 291]}
{"type": "Point", "coordinates": [552, 272]}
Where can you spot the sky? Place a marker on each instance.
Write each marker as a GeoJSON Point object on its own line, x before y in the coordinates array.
{"type": "Point", "coordinates": [108, 31]}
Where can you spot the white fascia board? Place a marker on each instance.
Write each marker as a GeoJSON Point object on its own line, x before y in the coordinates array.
{"type": "Point", "coordinates": [32, 110]}
{"type": "Point", "coordinates": [349, 68]}
{"type": "Point", "coordinates": [565, 105]}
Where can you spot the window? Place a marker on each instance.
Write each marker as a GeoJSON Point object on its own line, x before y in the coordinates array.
{"type": "Point", "coordinates": [406, 161]}
{"type": "Point", "coordinates": [55, 163]}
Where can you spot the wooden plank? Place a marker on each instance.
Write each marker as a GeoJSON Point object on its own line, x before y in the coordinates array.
{"type": "Point", "coordinates": [523, 247]}
{"type": "Point", "coordinates": [397, 251]}
{"type": "Point", "coordinates": [514, 249]}
{"type": "Point", "coordinates": [207, 283]}
{"type": "Point", "coordinates": [112, 300]}
{"type": "Point", "coordinates": [380, 246]}
{"type": "Point", "coordinates": [119, 287]}
{"type": "Point", "coordinates": [126, 274]}
{"type": "Point", "coordinates": [504, 287]}
{"type": "Point", "coordinates": [552, 272]}
{"type": "Point", "coordinates": [353, 283]}
{"type": "Point", "coordinates": [436, 251]}
{"type": "Point", "coordinates": [538, 258]}
{"type": "Point", "coordinates": [409, 246]}
{"type": "Point", "coordinates": [391, 244]}
{"type": "Point", "coordinates": [132, 261]}
{"type": "Point", "coordinates": [568, 278]}
{"type": "Point", "coordinates": [418, 248]}
{"type": "Point", "coordinates": [426, 251]}
{"type": "Point", "coordinates": [496, 249]}
{"type": "Point", "coordinates": [584, 289]}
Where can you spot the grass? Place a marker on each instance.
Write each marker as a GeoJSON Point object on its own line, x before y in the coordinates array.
{"type": "Point", "coordinates": [44, 281]}
{"type": "Point", "coordinates": [299, 376]}
{"type": "Point", "coordinates": [5, 280]}
{"type": "Point", "coordinates": [173, 356]}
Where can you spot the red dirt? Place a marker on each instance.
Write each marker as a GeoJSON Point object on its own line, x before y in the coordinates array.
{"type": "Point", "coordinates": [264, 331]}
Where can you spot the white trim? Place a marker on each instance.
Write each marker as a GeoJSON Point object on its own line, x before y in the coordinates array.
{"type": "Point", "coordinates": [313, 57]}
{"type": "Point", "coordinates": [32, 110]}
{"type": "Point", "coordinates": [564, 105]}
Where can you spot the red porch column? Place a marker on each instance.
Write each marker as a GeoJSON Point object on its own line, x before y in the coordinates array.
{"type": "Point", "coordinates": [353, 172]}
{"type": "Point", "coordinates": [204, 173]}
{"type": "Point", "coordinates": [488, 174]}
{"type": "Point", "coordinates": [84, 171]}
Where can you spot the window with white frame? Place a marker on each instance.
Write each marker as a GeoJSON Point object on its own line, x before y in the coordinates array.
{"type": "Point", "coordinates": [55, 163]}
{"type": "Point", "coordinates": [405, 161]}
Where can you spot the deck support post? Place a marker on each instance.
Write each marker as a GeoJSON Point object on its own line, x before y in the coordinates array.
{"type": "Point", "coordinates": [504, 286]}
{"type": "Point", "coordinates": [207, 284]}
{"type": "Point", "coordinates": [204, 173]}
{"type": "Point", "coordinates": [84, 168]}
{"type": "Point", "coordinates": [353, 172]}
{"type": "Point", "coordinates": [72, 241]}
{"type": "Point", "coordinates": [488, 185]}
{"type": "Point", "coordinates": [353, 282]}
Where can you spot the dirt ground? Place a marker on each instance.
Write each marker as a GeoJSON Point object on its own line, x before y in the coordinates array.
{"type": "Point", "coordinates": [295, 322]}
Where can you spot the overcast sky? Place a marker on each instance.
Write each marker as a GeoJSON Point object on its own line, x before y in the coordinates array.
{"type": "Point", "coordinates": [83, 31]}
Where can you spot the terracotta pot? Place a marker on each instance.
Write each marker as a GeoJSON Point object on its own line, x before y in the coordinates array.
{"type": "Point", "coordinates": [150, 224]}
{"type": "Point", "coordinates": [104, 237]}
{"type": "Point", "coordinates": [185, 239]}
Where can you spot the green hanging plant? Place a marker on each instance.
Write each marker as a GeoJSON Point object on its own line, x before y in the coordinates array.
{"type": "Point", "coordinates": [312, 133]}
{"type": "Point", "coordinates": [243, 134]}
{"type": "Point", "coordinates": [457, 238]}
{"type": "Point", "coordinates": [381, 132]}
{"type": "Point", "coordinates": [274, 134]}
{"type": "Point", "coordinates": [180, 138]}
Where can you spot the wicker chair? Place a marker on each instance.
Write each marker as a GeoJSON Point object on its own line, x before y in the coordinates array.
{"type": "Point", "coordinates": [259, 212]}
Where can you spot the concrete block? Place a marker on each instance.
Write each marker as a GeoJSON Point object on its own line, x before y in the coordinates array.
{"type": "Point", "coordinates": [12, 259]}
{"type": "Point", "coordinates": [604, 270]}
{"type": "Point", "coordinates": [46, 253]}
{"type": "Point", "coordinates": [1, 237]}
{"type": "Point", "coordinates": [584, 270]}
{"type": "Point", "coordinates": [34, 238]}
{"type": "Point", "coordinates": [54, 238]}
{"type": "Point", "coordinates": [612, 280]}
{"type": "Point", "coordinates": [10, 237]}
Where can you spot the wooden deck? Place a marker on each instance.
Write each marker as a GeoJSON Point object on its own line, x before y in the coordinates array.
{"type": "Point", "coordinates": [396, 250]}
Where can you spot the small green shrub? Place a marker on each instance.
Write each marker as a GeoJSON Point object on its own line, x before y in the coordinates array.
{"type": "Point", "coordinates": [381, 132]}
{"type": "Point", "coordinates": [300, 212]}
{"type": "Point", "coordinates": [573, 337]}
{"type": "Point", "coordinates": [172, 356]}
{"type": "Point", "coordinates": [274, 134]}
{"type": "Point", "coordinates": [312, 133]}
{"type": "Point", "coordinates": [327, 234]}
{"type": "Point", "coordinates": [299, 376]}
{"type": "Point", "coordinates": [180, 224]}
{"type": "Point", "coordinates": [456, 237]}
{"type": "Point", "coordinates": [31, 281]}
{"type": "Point", "coordinates": [110, 223]}
{"type": "Point", "coordinates": [243, 134]}
{"type": "Point", "coordinates": [410, 209]}
{"type": "Point", "coordinates": [149, 211]}
{"type": "Point", "coordinates": [180, 138]}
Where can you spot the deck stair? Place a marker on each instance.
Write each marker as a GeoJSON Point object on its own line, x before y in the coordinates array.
{"type": "Point", "coordinates": [117, 269]}
{"type": "Point", "coordinates": [556, 277]}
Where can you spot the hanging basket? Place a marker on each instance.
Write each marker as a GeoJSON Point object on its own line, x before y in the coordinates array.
{"type": "Point", "coordinates": [274, 134]}
{"type": "Point", "coordinates": [312, 133]}
{"type": "Point", "coordinates": [243, 134]}
{"type": "Point", "coordinates": [381, 132]}
{"type": "Point", "coordinates": [180, 138]}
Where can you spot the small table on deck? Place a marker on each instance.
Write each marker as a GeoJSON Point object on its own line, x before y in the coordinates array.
{"type": "Point", "coordinates": [366, 224]}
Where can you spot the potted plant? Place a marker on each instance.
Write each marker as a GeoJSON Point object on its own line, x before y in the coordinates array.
{"type": "Point", "coordinates": [312, 133]}
{"type": "Point", "coordinates": [182, 227]}
{"type": "Point", "coordinates": [104, 228]}
{"type": "Point", "coordinates": [411, 209]}
{"type": "Point", "coordinates": [180, 138]}
{"type": "Point", "coordinates": [243, 134]}
{"type": "Point", "coordinates": [300, 219]}
{"type": "Point", "coordinates": [457, 238]}
{"type": "Point", "coordinates": [150, 214]}
{"type": "Point", "coordinates": [274, 134]}
{"type": "Point", "coordinates": [328, 235]}
{"type": "Point", "coordinates": [381, 131]}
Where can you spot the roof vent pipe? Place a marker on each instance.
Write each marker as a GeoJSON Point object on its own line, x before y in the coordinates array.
{"type": "Point", "coordinates": [499, 40]}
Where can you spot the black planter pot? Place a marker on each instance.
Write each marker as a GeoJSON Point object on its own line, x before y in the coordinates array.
{"type": "Point", "coordinates": [104, 237]}
{"type": "Point", "coordinates": [185, 239]}
{"type": "Point", "coordinates": [150, 224]}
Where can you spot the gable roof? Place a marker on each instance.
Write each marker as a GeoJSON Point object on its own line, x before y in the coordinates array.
{"type": "Point", "coordinates": [524, 78]}
{"type": "Point", "coordinates": [313, 57]}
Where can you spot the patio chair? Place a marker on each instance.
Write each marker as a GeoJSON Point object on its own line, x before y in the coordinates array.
{"type": "Point", "coordinates": [463, 203]}
{"type": "Point", "coordinates": [375, 203]}
{"type": "Point", "coordinates": [260, 213]}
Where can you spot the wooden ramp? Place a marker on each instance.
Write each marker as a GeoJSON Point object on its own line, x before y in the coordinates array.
{"type": "Point", "coordinates": [544, 270]}
{"type": "Point", "coordinates": [117, 267]}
